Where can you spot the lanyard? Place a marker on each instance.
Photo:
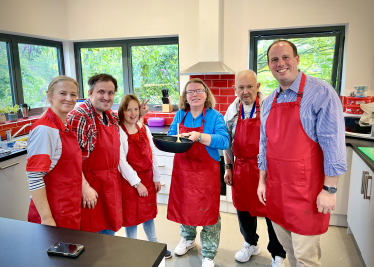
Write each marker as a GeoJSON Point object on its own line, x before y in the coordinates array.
{"type": "Point", "coordinates": [252, 111]}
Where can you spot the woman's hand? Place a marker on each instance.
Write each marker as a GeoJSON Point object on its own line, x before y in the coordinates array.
{"type": "Point", "coordinates": [89, 196]}
{"type": "Point", "coordinates": [144, 108]}
{"type": "Point", "coordinates": [142, 190]}
{"type": "Point", "coordinates": [49, 221]}
{"type": "Point", "coordinates": [194, 136]}
{"type": "Point", "coordinates": [157, 186]}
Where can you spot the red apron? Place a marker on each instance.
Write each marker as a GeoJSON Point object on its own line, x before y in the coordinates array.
{"type": "Point", "coordinates": [63, 183]}
{"type": "Point", "coordinates": [245, 171]}
{"type": "Point", "coordinates": [137, 209]}
{"type": "Point", "coordinates": [195, 185]}
{"type": "Point", "coordinates": [295, 171]}
{"type": "Point", "coordinates": [101, 172]}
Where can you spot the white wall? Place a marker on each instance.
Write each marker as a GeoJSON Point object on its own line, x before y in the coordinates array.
{"type": "Point", "coordinates": [243, 16]}
{"type": "Point", "coordinates": [119, 19]}
{"type": "Point", "coordinates": [83, 20]}
{"type": "Point", "coordinates": [37, 18]}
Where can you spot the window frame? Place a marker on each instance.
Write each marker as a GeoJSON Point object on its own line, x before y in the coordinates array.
{"type": "Point", "coordinates": [14, 64]}
{"type": "Point", "coordinates": [126, 45]}
{"type": "Point", "coordinates": [337, 31]}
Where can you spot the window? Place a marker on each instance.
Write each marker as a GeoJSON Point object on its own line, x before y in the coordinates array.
{"type": "Point", "coordinates": [27, 65]}
{"type": "Point", "coordinates": [320, 51]}
{"type": "Point", "coordinates": [5, 85]}
{"type": "Point", "coordinates": [141, 67]}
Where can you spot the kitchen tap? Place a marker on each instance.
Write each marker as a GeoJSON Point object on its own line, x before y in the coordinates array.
{"type": "Point", "coordinates": [9, 132]}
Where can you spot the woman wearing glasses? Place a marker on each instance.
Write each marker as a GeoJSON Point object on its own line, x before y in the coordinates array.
{"type": "Point", "coordinates": [195, 188]}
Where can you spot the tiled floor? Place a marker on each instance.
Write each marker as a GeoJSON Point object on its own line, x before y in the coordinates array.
{"type": "Point", "coordinates": [338, 249]}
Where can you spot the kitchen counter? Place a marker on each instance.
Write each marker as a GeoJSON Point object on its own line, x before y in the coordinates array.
{"type": "Point", "coordinates": [355, 143]}
{"type": "Point", "coordinates": [26, 244]}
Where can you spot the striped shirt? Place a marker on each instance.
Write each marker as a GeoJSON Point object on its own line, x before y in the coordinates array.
{"type": "Point", "coordinates": [322, 118]}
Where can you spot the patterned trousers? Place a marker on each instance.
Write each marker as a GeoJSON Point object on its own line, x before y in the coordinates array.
{"type": "Point", "coordinates": [209, 237]}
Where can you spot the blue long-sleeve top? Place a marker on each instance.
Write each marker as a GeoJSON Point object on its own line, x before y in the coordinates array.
{"type": "Point", "coordinates": [214, 125]}
{"type": "Point", "coordinates": [321, 115]}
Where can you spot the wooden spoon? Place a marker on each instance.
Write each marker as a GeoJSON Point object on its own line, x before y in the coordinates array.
{"type": "Point", "coordinates": [178, 140]}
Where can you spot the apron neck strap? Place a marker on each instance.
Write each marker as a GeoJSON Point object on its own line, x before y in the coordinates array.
{"type": "Point", "coordinates": [299, 93]}
{"type": "Point", "coordinates": [185, 114]}
{"type": "Point", "coordinates": [256, 105]}
{"type": "Point", "coordinates": [125, 130]}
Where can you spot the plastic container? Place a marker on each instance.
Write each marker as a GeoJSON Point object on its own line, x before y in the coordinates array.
{"type": "Point", "coordinates": [155, 121]}
{"type": "Point", "coordinates": [354, 109]}
{"type": "Point", "coordinates": [350, 100]}
{"type": "Point", "coordinates": [360, 90]}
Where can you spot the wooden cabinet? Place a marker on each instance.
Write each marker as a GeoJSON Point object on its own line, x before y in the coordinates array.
{"type": "Point", "coordinates": [361, 208]}
{"type": "Point", "coordinates": [14, 189]}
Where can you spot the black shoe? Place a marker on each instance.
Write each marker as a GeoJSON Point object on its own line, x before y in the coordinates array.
{"type": "Point", "coordinates": [168, 254]}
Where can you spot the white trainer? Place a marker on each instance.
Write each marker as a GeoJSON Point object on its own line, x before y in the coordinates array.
{"type": "Point", "coordinates": [183, 246]}
{"type": "Point", "coordinates": [246, 252]}
{"type": "Point", "coordinates": [277, 262]}
{"type": "Point", "coordinates": [207, 262]}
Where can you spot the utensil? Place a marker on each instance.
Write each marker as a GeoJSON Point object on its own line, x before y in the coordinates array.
{"type": "Point", "coordinates": [170, 144]}
{"type": "Point", "coordinates": [178, 140]}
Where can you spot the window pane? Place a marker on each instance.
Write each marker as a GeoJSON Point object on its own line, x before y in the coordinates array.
{"type": "Point", "coordinates": [5, 86]}
{"type": "Point", "coordinates": [39, 65]}
{"type": "Point", "coordinates": [103, 60]}
{"type": "Point", "coordinates": [316, 59]}
{"type": "Point", "coordinates": [155, 68]}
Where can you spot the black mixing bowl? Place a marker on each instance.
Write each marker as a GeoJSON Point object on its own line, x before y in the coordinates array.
{"type": "Point", "coordinates": [169, 144]}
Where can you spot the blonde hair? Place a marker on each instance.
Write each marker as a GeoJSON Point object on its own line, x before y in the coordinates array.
{"type": "Point", "coordinates": [123, 105]}
{"type": "Point", "coordinates": [210, 100]}
{"type": "Point", "coordinates": [61, 78]}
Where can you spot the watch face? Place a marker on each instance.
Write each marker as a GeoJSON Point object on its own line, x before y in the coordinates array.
{"type": "Point", "coordinates": [332, 190]}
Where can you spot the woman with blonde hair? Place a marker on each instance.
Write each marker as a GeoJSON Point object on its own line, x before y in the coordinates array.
{"type": "Point", "coordinates": [138, 166]}
{"type": "Point", "coordinates": [52, 146]}
{"type": "Point", "coordinates": [195, 187]}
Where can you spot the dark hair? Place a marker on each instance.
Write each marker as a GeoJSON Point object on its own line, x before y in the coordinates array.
{"type": "Point", "coordinates": [210, 100]}
{"type": "Point", "coordinates": [123, 105]}
{"type": "Point", "coordinates": [102, 77]}
{"type": "Point", "coordinates": [283, 41]}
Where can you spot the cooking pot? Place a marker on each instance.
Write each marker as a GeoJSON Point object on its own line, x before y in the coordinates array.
{"type": "Point", "coordinates": [169, 144]}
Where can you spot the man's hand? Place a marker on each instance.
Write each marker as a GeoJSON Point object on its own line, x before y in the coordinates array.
{"type": "Point", "coordinates": [89, 196]}
{"type": "Point", "coordinates": [326, 202]}
{"type": "Point", "coordinates": [261, 193]}
{"type": "Point", "coordinates": [144, 108]}
{"type": "Point", "coordinates": [228, 177]}
{"type": "Point", "coordinates": [49, 221]}
{"type": "Point", "coordinates": [261, 189]}
{"type": "Point", "coordinates": [142, 190]}
{"type": "Point", "coordinates": [157, 186]}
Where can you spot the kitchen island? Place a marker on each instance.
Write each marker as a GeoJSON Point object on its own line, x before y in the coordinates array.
{"type": "Point", "coordinates": [26, 244]}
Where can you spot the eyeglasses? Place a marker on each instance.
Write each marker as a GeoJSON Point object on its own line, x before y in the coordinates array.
{"type": "Point", "coordinates": [199, 91]}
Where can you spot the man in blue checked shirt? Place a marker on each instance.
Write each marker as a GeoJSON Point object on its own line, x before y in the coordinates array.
{"type": "Point", "coordinates": [302, 153]}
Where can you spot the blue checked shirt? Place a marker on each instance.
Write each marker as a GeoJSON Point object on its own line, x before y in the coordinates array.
{"type": "Point", "coordinates": [322, 118]}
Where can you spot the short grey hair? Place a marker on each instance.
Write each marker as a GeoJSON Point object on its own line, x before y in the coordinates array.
{"type": "Point", "coordinates": [244, 73]}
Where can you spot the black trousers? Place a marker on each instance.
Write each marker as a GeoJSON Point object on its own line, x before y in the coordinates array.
{"type": "Point", "coordinates": [248, 228]}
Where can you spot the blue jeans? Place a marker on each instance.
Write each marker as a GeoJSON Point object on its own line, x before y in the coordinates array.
{"type": "Point", "coordinates": [149, 229]}
{"type": "Point", "coordinates": [106, 232]}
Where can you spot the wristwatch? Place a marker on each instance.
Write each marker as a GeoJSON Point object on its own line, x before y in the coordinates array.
{"type": "Point", "coordinates": [136, 185]}
{"type": "Point", "coordinates": [330, 189]}
{"type": "Point", "coordinates": [228, 166]}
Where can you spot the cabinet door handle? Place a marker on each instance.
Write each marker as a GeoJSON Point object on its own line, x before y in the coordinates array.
{"type": "Point", "coordinates": [10, 165]}
{"type": "Point", "coordinates": [366, 183]}
{"type": "Point", "coordinates": [364, 174]}
{"type": "Point", "coordinates": [161, 166]}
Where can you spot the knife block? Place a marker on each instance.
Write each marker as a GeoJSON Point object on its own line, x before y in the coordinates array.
{"type": "Point", "coordinates": [166, 105]}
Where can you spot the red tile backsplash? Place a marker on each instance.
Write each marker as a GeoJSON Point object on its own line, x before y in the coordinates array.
{"type": "Point", "coordinates": [219, 83]}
